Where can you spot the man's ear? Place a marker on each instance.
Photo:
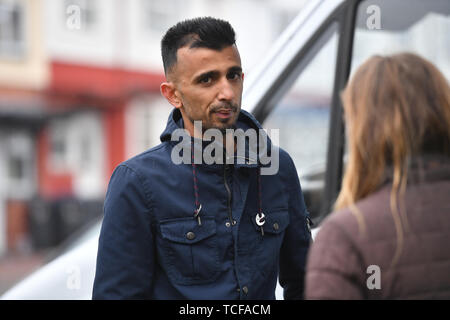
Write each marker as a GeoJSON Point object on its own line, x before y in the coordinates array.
{"type": "Point", "coordinates": [169, 91]}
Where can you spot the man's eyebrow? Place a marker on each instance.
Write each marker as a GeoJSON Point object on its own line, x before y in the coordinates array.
{"type": "Point", "coordinates": [235, 69]}
{"type": "Point", "coordinates": [212, 74]}
{"type": "Point", "coordinates": [215, 73]}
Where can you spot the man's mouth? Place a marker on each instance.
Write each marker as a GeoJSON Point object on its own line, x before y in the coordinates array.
{"type": "Point", "coordinates": [224, 113]}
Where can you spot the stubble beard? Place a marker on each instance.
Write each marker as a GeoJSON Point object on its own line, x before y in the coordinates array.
{"type": "Point", "coordinates": [220, 124]}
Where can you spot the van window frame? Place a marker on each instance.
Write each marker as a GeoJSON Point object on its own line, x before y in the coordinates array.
{"type": "Point", "coordinates": [344, 16]}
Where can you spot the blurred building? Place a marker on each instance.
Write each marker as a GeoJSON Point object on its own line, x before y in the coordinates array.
{"type": "Point", "coordinates": [79, 93]}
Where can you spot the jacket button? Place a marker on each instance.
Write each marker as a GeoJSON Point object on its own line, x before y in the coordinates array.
{"type": "Point", "coordinates": [190, 235]}
{"type": "Point", "coordinates": [276, 226]}
{"type": "Point", "coordinates": [245, 290]}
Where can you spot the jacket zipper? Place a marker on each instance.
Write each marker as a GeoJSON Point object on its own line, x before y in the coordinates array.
{"type": "Point", "coordinates": [230, 216]}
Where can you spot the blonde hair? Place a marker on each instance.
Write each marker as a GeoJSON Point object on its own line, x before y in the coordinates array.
{"type": "Point", "coordinates": [396, 107]}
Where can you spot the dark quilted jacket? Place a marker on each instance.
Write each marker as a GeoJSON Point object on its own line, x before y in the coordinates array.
{"type": "Point", "coordinates": [341, 261]}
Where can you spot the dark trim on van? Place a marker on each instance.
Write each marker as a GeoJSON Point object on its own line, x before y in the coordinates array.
{"type": "Point", "coordinates": [336, 140]}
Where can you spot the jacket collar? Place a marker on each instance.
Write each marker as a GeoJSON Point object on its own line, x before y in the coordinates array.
{"type": "Point", "coordinates": [425, 168]}
{"type": "Point", "coordinates": [245, 121]}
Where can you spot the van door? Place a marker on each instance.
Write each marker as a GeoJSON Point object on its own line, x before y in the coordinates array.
{"type": "Point", "coordinates": [300, 100]}
{"type": "Point", "coordinates": [304, 102]}
{"type": "Point", "coordinates": [302, 111]}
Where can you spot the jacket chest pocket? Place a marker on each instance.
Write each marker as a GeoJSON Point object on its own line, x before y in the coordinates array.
{"type": "Point", "coordinates": [268, 242]}
{"type": "Point", "coordinates": [189, 251]}
{"type": "Point", "coordinates": [274, 223]}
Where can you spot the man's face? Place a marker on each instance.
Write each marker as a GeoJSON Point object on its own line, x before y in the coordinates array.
{"type": "Point", "coordinates": [209, 86]}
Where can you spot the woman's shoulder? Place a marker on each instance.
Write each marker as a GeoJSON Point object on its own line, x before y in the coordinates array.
{"type": "Point", "coordinates": [363, 221]}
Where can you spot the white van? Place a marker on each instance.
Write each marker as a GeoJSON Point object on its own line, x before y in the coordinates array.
{"type": "Point", "coordinates": [296, 88]}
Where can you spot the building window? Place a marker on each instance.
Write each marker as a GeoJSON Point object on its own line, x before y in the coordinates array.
{"type": "Point", "coordinates": [282, 18]}
{"type": "Point", "coordinates": [58, 145]}
{"type": "Point", "coordinates": [159, 15]}
{"type": "Point", "coordinates": [16, 168]}
{"type": "Point", "coordinates": [12, 38]}
{"type": "Point", "coordinates": [18, 152]}
{"type": "Point", "coordinates": [86, 157]}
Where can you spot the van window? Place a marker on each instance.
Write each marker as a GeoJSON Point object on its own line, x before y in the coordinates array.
{"type": "Point", "coordinates": [387, 27]}
{"type": "Point", "coordinates": [302, 115]}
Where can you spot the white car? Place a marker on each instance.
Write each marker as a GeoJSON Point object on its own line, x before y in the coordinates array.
{"type": "Point", "coordinates": [295, 88]}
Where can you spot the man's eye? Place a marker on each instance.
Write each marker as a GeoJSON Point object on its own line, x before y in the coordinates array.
{"type": "Point", "coordinates": [205, 80]}
{"type": "Point", "coordinates": [234, 76]}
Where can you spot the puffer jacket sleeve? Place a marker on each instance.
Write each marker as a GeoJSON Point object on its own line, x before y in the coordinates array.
{"type": "Point", "coordinates": [125, 259]}
{"type": "Point", "coordinates": [334, 269]}
{"type": "Point", "coordinates": [297, 239]}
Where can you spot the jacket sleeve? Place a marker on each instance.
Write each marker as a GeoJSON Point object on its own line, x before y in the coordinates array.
{"type": "Point", "coordinates": [125, 259]}
{"type": "Point", "coordinates": [296, 240]}
{"type": "Point", "coordinates": [334, 269]}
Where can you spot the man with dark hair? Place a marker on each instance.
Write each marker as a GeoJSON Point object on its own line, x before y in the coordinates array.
{"type": "Point", "coordinates": [196, 33]}
{"type": "Point", "coordinates": [199, 230]}
{"type": "Point", "coordinates": [186, 47]}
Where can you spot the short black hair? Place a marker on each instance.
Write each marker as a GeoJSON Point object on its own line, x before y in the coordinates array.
{"type": "Point", "coordinates": [204, 32]}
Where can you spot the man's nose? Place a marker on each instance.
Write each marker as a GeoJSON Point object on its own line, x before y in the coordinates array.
{"type": "Point", "coordinates": [226, 92]}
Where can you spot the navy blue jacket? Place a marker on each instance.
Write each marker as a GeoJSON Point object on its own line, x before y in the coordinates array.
{"type": "Point", "coordinates": [152, 247]}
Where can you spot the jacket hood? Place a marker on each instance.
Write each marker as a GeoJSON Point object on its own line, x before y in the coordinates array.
{"type": "Point", "coordinates": [175, 121]}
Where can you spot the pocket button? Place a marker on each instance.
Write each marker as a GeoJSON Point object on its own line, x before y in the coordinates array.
{"type": "Point", "coordinates": [276, 226]}
{"type": "Point", "coordinates": [190, 235]}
